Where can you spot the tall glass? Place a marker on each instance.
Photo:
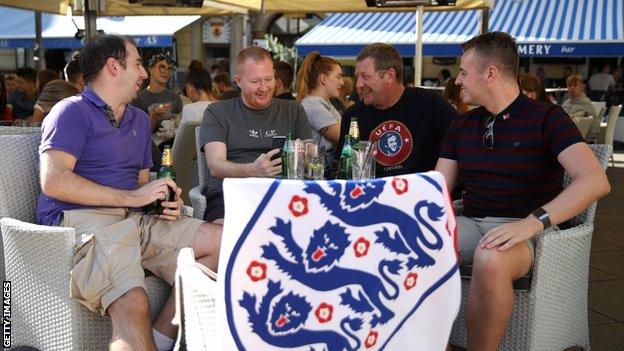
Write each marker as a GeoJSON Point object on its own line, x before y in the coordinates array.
{"type": "Point", "coordinates": [314, 163]}
{"type": "Point", "coordinates": [363, 160]}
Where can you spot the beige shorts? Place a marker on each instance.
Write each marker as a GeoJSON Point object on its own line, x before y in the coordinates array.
{"type": "Point", "coordinates": [114, 245]}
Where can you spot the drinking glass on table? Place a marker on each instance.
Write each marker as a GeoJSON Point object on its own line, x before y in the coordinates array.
{"type": "Point", "coordinates": [314, 162]}
{"type": "Point", "coordinates": [363, 160]}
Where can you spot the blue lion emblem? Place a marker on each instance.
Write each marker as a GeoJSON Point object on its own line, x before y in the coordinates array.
{"type": "Point", "coordinates": [407, 240]}
{"type": "Point", "coordinates": [317, 269]}
{"type": "Point", "coordinates": [337, 266]}
{"type": "Point", "coordinates": [289, 315]}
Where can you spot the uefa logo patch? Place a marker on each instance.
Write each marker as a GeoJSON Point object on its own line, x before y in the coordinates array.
{"type": "Point", "coordinates": [338, 265]}
{"type": "Point", "coordinates": [394, 142]}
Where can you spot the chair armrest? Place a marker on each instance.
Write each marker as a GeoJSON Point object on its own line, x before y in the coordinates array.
{"type": "Point", "coordinates": [568, 248]}
{"type": "Point", "coordinates": [198, 201]}
{"type": "Point", "coordinates": [38, 262]}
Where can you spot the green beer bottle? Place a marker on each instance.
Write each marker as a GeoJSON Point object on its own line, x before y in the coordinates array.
{"type": "Point", "coordinates": [166, 170]}
{"type": "Point", "coordinates": [344, 167]}
{"type": "Point", "coordinates": [288, 158]}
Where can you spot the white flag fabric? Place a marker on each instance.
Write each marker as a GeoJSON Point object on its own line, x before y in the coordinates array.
{"type": "Point", "coordinates": [338, 265]}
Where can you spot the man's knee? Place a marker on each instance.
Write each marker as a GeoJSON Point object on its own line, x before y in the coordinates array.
{"type": "Point", "coordinates": [489, 264]}
{"type": "Point", "coordinates": [207, 239]}
{"type": "Point", "coordinates": [133, 303]}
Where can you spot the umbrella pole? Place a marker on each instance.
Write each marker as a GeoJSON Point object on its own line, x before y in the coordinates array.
{"type": "Point", "coordinates": [418, 48]}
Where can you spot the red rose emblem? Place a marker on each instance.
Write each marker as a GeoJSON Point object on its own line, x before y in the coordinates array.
{"type": "Point", "coordinates": [298, 206]}
{"type": "Point", "coordinates": [410, 280]}
{"type": "Point", "coordinates": [371, 339]}
{"type": "Point", "coordinates": [361, 247]}
{"type": "Point", "coordinates": [324, 312]}
{"type": "Point", "coordinates": [256, 271]}
{"type": "Point", "coordinates": [400, 185]}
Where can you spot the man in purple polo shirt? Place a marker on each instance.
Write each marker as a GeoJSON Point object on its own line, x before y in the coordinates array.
{"type": "Point", "coordinates": [95, 157]}
{"type": "Point", "coordinates": [510, 154]}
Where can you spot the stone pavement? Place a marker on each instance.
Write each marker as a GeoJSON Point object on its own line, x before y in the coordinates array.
{"type": "Point", "coordinates": [606, 271]}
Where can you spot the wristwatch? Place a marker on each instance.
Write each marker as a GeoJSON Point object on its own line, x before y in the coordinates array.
{"type": "Point", "coordinates": [543, 217]}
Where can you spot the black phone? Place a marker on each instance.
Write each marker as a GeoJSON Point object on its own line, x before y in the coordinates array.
{"type": "Point", "coordinates": [278, 143]}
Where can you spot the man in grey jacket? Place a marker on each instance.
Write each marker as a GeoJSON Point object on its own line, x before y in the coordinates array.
{"type": "Point", "coordinates": [579, 105]}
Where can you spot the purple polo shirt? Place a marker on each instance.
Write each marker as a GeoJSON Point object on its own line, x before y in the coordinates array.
{"type": "Point", "coordinates": [105, 154]}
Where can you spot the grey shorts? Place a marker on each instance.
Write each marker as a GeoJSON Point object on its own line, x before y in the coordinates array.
{"type": "Point", "coordinates": [470, 230]}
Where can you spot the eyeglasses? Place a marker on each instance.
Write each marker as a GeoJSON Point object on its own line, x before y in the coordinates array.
{"type": "Point", "coordinates": [488, 137]}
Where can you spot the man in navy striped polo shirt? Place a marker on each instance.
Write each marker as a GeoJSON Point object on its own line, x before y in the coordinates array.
{"type": "Point", "coordinates": [510, 154]}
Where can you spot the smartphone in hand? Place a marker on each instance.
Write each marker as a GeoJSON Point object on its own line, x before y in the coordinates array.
{"type": "Point", "coordinates": [278, 143]}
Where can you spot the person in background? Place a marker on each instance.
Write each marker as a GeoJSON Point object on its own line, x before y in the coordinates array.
{"type": "Point", "coordinates": [532, 87]}
{"type": "Point", "coordinates": [319, 79]}
{"type": "Point", "coordinates": [25, 95]}
{"type": "Point", "coordinates": [443, 77]}
{"type": "Point", "coordinates": [10, 81]}
{"type": "Point", "coordinates": [4, 112]}
{"type": "Point", "coordinates": [540, 72]}
{"type": "Point", "coordinates": [510, 154]}
{"type": "Point", "coordinates": [53, 92]}
{"type": "Point", "coordinates": [214, 70]}
{"type": "Point", "coordinates": [73, 74]}
{"type": "Point", "coordinates": [45, 76]}
{"type": "Point", "coordinates": [95, 160]}
{"type": "Point", "coordinates": [567, 71]}
{"type": "Point", "coordinates": [600, 83]}
{"type": "Point", "coordinates": [388, 113]}
{"type": "Point", "coordinates": [157, 100]}
{"type": "Point", "coordinates": [237, 134]}
{"type": "Point", "coordinates": [196, 64]}
{"type": "Point", "coordinates": [283, 80]}
{"type": "Point", "coordinates": [343, 101]}
{"type": "Point", "coordinates": [222, 87]}
{"type": "Point", "coordinates": [198, 87]}
{"type": "Point", "coordinates": [452, 94]}
{"type": "Point", "coordinates": [579, 105]}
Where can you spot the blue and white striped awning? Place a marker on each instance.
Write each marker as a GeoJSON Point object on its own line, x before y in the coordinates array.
{"type": "Point", "coordinates": [17, 29]}
{"type": "Point", "coordinates": [541, 28]}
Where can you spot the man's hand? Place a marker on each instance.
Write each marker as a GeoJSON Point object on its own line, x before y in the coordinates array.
{"type": "Point", "coordinates": [150, 192]}
{"type": "Point", "coordinates": [263, 166]}
{"type": "Point", "coordinates": [509, 234]}
{"type": "Point", "coordinates": [172, 209]}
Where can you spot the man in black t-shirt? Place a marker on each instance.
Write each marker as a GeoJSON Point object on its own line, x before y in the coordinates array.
{"type": "Point", "coordinates": [407, 123]}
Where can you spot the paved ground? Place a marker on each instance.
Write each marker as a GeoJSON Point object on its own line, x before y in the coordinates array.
{"type": "Point", "coordinates": [606, 272]}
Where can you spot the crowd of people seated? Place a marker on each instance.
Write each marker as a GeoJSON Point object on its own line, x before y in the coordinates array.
{"type": "Point", "coordinates": [487, 133]}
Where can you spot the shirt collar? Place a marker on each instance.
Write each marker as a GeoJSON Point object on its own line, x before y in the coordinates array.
{"type": "Point", "coordinates": [90, 95]}
{"type": "Point", "coordinates": [511, 111]}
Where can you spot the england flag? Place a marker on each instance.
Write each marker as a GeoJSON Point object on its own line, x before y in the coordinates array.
{"type": "Point", "coordinates": [338, 265]}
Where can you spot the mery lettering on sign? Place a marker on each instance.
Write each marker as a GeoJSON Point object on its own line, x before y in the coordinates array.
{"type": "Point", "coordinates": [534, 49]}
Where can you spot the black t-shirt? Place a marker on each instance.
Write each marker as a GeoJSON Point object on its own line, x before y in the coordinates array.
{"type": "Point", "coordinates": [408, 134]}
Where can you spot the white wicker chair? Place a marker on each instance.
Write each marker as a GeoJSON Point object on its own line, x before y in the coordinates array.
{"type": "Point", "coordinates": [39, 260]}
{"type": "Point", "coordinates": [552, 314]}
{"type": "Point", "coordinates": [198, 200]}
{"type": "Point", "coordinates": [196, 304]}
{"type": "Point", "coordinates": [183, 157]}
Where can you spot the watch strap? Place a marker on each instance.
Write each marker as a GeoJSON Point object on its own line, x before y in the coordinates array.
{"type": "Point", "coordinates": [543, 217]}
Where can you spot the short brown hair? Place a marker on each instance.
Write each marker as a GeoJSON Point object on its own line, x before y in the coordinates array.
{"type": "Point", "coordinates": [384, 57]}
{"type": "Point", "coordinates": [574, 78]}
{"type": "Point", "coordinates": [255, 53]}
{"type": "Point", "coordinates": [498, 47]}
{"type": "Point", "coordinates": [284, 72]}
